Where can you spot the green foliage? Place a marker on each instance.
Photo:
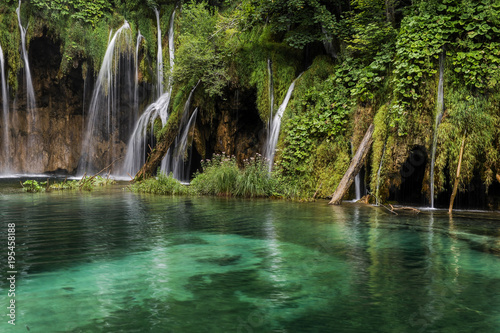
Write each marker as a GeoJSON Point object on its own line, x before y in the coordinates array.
{"type": "Point", "coordinates": [321, 113]}
{"type": "Point", "coordinates": [299, 21]}
{"type": "Point", "coordinates": [33, 186]}
{"type": "Point", "coordinates": [88, 183]}
{"type": "Point", "coordinates": [88, 12]}
{"type": "Point", "coordinates": [197, 56]}
{"type": "Point", "coordinates": [475, 118]}
{"type": "Point", "coordinates": [219, 176]}
{"type": "Point", "coordinates": [162, 184]}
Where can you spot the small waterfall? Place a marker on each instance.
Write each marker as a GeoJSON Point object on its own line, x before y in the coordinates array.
{"type": "Point", "coordinates": [111, 110]}
{"type": "Point", "coordinates": [378, 175]}
{"type": "Point", "coordinates": [137, 146]}
{"type": "Point", "coordinates": [271, 87]}
{"type": "Point", "coordinates": [274, 126]}
{"type": "Point", "coordinates": [159, 60]}
{"type": "Point", "coordinates": [136, 85]}
{"type": "Point", "coordinates": [174, 159]}
{"type": "Point", "coordinates": [357, 180]}
{"type": "Point", "coordinates": [30, 92]}
{"type": "Point", "coordinates": [5, 119]}
{"type": "Point", "coordinates": [439, 115]}
{"type": "Point", "coordinates": [181, 158]}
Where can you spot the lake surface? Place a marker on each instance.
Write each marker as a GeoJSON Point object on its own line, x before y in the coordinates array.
{"type": "Point", "coordinates": [114, 261]}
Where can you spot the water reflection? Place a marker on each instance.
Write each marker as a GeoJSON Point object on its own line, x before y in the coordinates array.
{"type": "Point", "coordinates": [120, 261]}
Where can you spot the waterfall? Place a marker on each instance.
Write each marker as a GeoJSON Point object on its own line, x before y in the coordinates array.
{"type": "Point", "coordinates": [180, 159]}
{"type": "Point", "coordinates": [110, 114]}
{"type": "Point", "coordinates": [174, 159]}
{"type": "Point", "coordinates": [274, 127]}
{"type": "Point", "coordinates": [137, 146]}
{"type": "Point", "coordinates": [271, 87]}
{"type": "Point", "coordinates": [5, 118]}
{"type": "Point", "coordinates": [136, 81]}
{"type": "Point", "coordinates": [357, 180]}
{"type": "Point", "coordinates": [378, 175]}
{"type": "Point", "coordinates": [439, 115]}
{"type": "Point", "coordinates": [30, 92]}
{"type": "Point", "coordinates": [159, 60]}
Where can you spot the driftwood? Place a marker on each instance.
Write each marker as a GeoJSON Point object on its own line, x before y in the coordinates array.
{"type": "Point", "coordinates": [356, 164]}
{"type": "Point", "coordinates": [394, 210]}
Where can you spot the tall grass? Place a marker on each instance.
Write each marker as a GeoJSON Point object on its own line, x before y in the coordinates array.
{"type": "Point", "coordinates": [162, 184]}
{"type": "Point", "coordinates": [221, 176]}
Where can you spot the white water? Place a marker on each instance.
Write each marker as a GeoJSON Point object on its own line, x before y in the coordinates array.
{"type": "Point", "coordinates": [137, 146]}
{"type": "Point", "coordinates": [439, 115]}
{"type": "Point", "coordinates": [5, 119]}
{"type": "Point", "coordinates": [180, 159]}
{"type": "Point", "coordinates": [274, 127]}
{"type": "Point", "coordinates": [174, 159]}
{"type": "Point", "coordinates": [136, 81]}
{"type": "Point", "coordinates": [109, 109]}
{"type": "Point", "coordinates": [30, 92]}
{"type": "Point", "coordinates": [159, 59]}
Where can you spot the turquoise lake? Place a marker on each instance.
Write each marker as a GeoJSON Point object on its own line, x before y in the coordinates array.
{"type": "Point", "coordinates": [115, 261]}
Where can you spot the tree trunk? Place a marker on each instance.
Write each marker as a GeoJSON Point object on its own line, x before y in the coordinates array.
{"type": "Point", "coordinates": [356, 164]}
{"type": "Point", "coordinates": [171, 131]}
{"type": "Point", "coordinates": [161, 148]}
{"type": "Point", "coordinates": [455, 186]}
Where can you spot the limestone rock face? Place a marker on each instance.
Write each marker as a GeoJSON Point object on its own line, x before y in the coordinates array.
{"type": "Point", "coordinates": [49, 138]}
{"type": "Point", "coordinates": [236, 128]}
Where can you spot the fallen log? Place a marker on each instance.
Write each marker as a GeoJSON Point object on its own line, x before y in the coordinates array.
{"type": "Point", "coordinates": [356, 164]}
{"type": "Point", "coordinates": [171, 131]}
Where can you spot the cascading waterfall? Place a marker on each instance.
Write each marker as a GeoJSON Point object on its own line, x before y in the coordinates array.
{"type": "Point", "coordinates": [5, 119]}
{"type": "Point", "coordinates": [357, 180]}
{"type": "Point", "coordinates": [181, 159]}
{"type": "Point", "coordinates": [159, 60]}
{"type": "Point", "coordinates": [137, 146]}
{"type": "Point", "coordinates": [439, 115]}
{"type": "Point", "coordinates": [174, 160]}
{"type": "Point", "coordinates": [111, 110]}
{"type": "Point", "coordinates": [30, 92]}
{"type": "Point", "coordinates": [274, 126]}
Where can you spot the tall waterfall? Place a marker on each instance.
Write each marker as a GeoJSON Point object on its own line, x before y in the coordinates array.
{"type": "Point", "coordinates": [30, 92]}
{"type": "Point", "coordinates": [5, 167]}
{"type": "Point", "coordinates": [439, 115]}
{"type": "Point", "coordinates": [274, 127]}
{"type": "Point", "coordinates": [174, 160]}
{"type": "Point", "coordinates": [159, 60]}
{"type": "Point", "coordinates": [110, 115]}
{"type": "Point", "coordinates": [137, 146]}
